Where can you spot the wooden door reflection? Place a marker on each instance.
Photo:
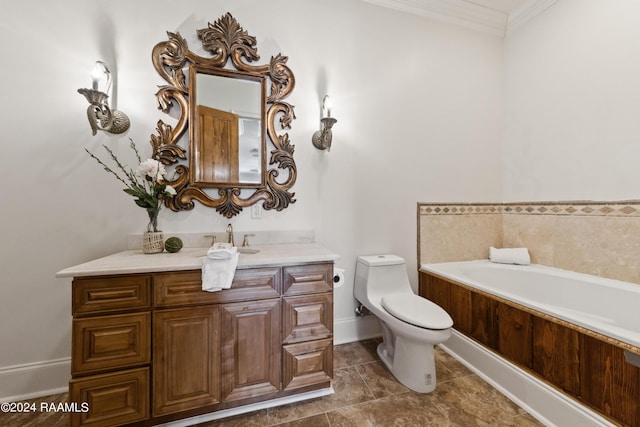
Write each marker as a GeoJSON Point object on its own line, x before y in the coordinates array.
{"type": "Point", "coordinates": [217, 146]}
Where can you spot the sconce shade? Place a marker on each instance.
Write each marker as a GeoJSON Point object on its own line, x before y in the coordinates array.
{"type": "Point", "coordinates": [99, 114]}
{"type": "Point", "coordinates": [101, 77]}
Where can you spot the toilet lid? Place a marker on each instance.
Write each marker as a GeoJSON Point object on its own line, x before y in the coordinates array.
{"type": "Point", "coordinates": [417, 311]}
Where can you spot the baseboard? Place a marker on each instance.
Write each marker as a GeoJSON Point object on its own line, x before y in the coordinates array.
{"type": "Point", "coordinates": [542, 401]}
{"type": "Point", "coordinates": [198, 419]}
{"type": "Point", "coordinates": [355, 329]}
{"type": "Point", "coordinates": [32, 380]}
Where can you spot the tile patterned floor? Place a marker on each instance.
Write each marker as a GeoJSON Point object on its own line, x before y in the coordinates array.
{"type": "Point", "coordinates": [366, 394]}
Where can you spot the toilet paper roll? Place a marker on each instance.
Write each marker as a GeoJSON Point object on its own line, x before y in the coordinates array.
{"type": "Point", "coordinates": [338, 277]}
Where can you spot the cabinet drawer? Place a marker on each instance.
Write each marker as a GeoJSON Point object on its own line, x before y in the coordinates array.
{"type": "Point", "coordinates": [307, 317]}
{"type": "Point", "coordinates": [307, 363]}
{"type": "Point", "coordinates": [306, 279]}
{"type": "Point", "coordinates": [108, 294]}
{"type": "Point", "coordinates": [112, 399]}
{"type": "Point", "coordinates": [185, 288]}
{"type": "Point", "coordinates": [107, 342]}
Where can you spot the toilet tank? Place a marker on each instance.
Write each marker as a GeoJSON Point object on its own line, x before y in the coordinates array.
{"type": "Point", "coordinates": [377, 275]}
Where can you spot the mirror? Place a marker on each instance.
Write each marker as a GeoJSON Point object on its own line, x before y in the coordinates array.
{"type": "Point", "coordinates": [226, 134]}
{"type": "Point", "coordinates": [230, 114]}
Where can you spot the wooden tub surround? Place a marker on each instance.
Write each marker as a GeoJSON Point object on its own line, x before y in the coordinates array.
{"type": "Point", "coordinates": [150, 347]}
{"type": "Point", "coordinates": [585, 365]}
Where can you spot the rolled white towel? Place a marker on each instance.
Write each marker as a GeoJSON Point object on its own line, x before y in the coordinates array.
{"type": "Point", "coordinates": [509, 256]}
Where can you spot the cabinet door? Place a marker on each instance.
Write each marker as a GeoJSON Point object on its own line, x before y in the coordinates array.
{"type": "Point", "coordinates": [186, 359]}
{"type": "Point", "coordinates": [250, 349]}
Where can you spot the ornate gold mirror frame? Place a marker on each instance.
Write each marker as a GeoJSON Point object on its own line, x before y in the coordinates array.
{"type": "Point", "coordinates": [225, 39]}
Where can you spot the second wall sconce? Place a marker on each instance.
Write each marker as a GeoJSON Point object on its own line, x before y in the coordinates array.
{"type": "Point", "coordinates": [100, 115]}
{"type": "Point", "coordinates": [322, 139]}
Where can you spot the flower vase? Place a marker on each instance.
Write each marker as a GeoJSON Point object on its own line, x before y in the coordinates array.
{"type": "Point", "coordinates": [152, 240]}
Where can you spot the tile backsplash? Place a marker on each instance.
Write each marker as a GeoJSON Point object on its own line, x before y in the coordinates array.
{"type": "Point", "coordinates": [598, 238]}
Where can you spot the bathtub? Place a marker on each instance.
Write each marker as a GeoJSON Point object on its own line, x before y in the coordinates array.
{"type": "Point", "coordinates": [604, 313]}
{"type": "Point", "coordinates": [608, 307]}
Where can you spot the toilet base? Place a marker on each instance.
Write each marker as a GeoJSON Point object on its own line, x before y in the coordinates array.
{"type": "Point", "coordinates": [412, 363]}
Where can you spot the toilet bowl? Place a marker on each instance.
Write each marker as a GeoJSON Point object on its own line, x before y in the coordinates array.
{"type": "Point", "coordinates": [411, 325]}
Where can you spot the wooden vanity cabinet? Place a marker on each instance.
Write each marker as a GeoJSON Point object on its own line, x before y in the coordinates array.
{"type": "Point", "coordinates": [156, 347]}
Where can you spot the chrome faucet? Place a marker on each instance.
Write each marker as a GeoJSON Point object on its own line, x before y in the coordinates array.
{"type": "Point", "coordinates": [230, 232]}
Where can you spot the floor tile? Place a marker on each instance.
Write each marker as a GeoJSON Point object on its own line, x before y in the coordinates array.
{"type": "Point", "coordinates": [469, 401]}
{"type": "Point", "coordinates": [524, 420]}
{"type": "Point", "coordinates": [402, 410]}
{"type": "Point", "coordinates": [379, 380]}
{"type": "Point", "coordinates": [448, 368]}
{"type": "Point", "coordinates": [355, 353]}
{"type": "Point", "coordinates": [320, 420]}
{"type": "Point", "coordinates": [252, 419]}
{"type": "Point", "coordinates": [349, 389]}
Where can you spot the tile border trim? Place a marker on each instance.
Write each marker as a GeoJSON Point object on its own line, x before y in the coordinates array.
{"type": "Point", "coordinates": [628, 208]}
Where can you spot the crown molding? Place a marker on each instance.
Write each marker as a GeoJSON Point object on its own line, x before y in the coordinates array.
{"type": "Point", "coordinates": [526, 13]}
{"type": "Point", "coordinates": [468, 14]}
{"type": "Point", "coordinates": [457, 12]}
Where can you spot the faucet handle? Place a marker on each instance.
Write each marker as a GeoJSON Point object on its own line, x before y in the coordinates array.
{"type": "Point", "coordinates": [245, 241]}
{"type": "Point", "coordinates": [213, 238]}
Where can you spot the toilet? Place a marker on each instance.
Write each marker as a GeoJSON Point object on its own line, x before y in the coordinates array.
{"type": "Point", "coordinates": [411, 325]}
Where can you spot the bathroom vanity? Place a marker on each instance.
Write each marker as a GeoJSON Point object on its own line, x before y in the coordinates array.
{"type": "Point", "coordinates": [149, 346]}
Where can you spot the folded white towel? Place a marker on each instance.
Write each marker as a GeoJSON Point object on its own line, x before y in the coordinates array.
{"type": "Point", "coordinates": [509, 256]}
{"type": "Point", "coordinates": [219, 267]}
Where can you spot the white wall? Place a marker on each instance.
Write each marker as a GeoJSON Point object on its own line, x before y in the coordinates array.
{"type": "Point", "coordinates": [418, 105]}
{"type": "Point", "coordinates": [572, 102]}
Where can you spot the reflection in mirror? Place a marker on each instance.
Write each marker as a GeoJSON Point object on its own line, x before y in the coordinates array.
{"type": "Point", "coordinates": [227, 131]}
{"type": "Point", "coordinates": [232, 116]}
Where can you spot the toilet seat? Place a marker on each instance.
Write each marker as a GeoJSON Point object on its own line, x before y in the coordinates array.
{"type": "Point", "coordinates": [417, 311]}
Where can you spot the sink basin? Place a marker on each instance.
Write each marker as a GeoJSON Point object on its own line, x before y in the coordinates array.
{"type": "Point", "coordinates": [241, 250]}
{"type": "Point", "coordinates": [248, 250]}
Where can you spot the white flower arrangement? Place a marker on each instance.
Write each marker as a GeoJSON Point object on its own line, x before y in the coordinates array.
{"type": "Point", "coordinates": [145, 184]}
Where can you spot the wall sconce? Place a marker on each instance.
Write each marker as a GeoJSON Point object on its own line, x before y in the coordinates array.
{"type": "Point", "coordinates": [322, 139]}
{"type": "Point", "coordinates": [100, 116]}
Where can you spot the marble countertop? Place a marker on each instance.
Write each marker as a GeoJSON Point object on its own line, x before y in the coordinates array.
{"type": "Point", "coordinates": [134, 261]}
